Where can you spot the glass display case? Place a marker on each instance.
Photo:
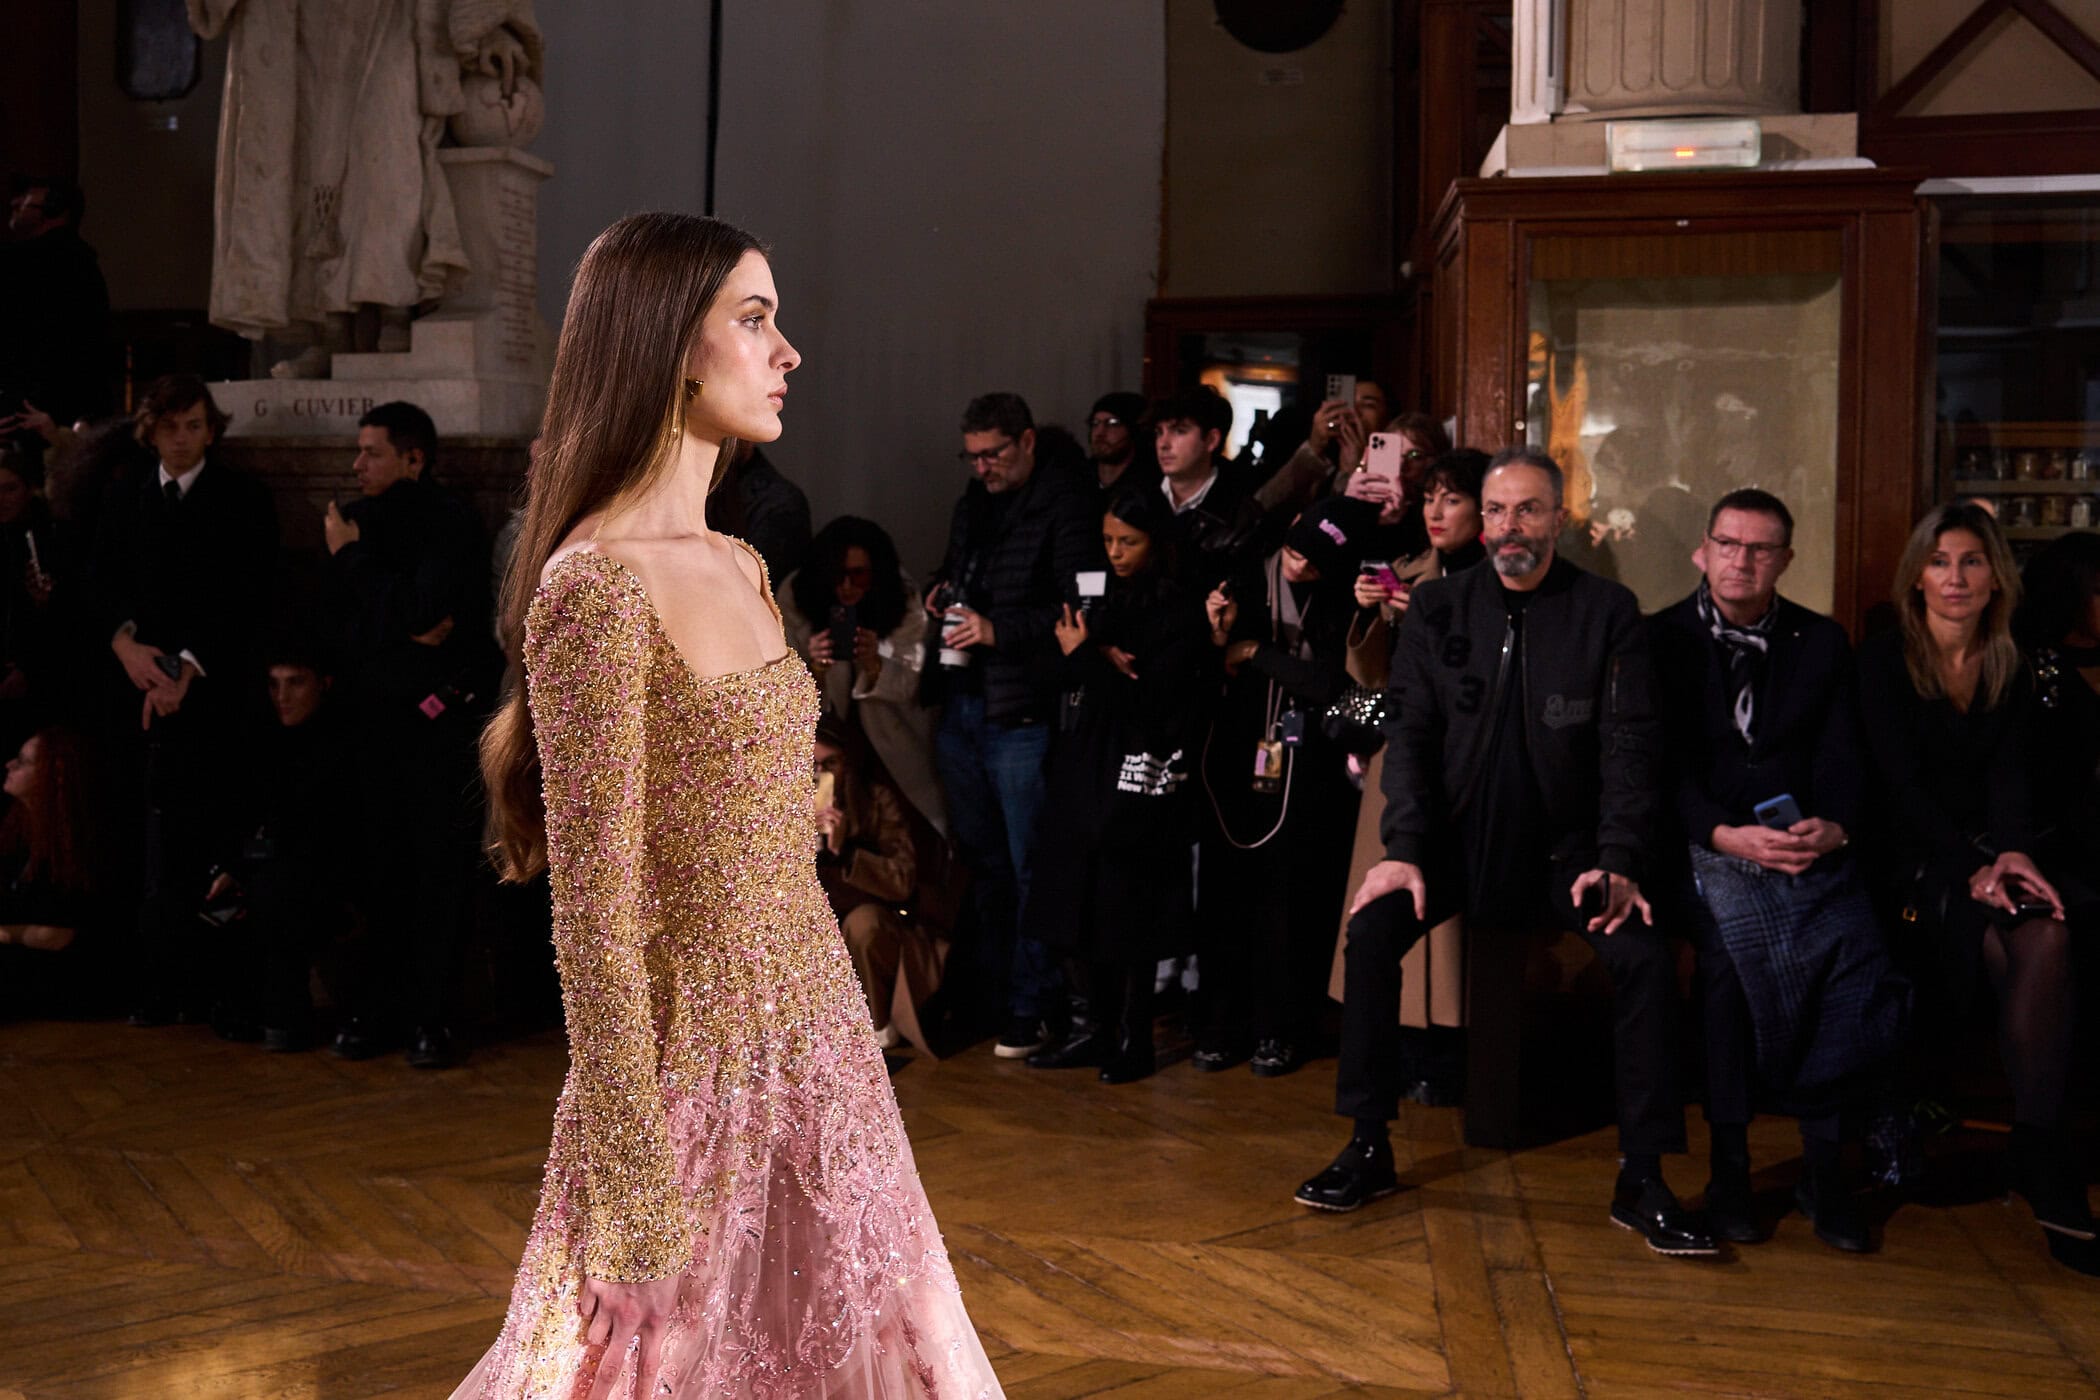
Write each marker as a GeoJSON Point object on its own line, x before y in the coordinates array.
{"type": "Point", "coordinates": [2017, 360]}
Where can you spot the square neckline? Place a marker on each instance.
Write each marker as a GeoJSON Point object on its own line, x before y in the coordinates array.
{"type": "Point", "coordinates": [656, 623]}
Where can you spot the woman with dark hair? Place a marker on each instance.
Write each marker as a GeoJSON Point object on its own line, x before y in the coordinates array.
{"type": "Point", "coordinates": [730, 1205]}
{"type": "Point", "coordinates": [1111, 885]}
{"type": "Point", "coordinates": [1945, 699]}
{"type": "Point", "coordinates": [857, 618]}
{"type": "Point", "coordinates": [47, 876]}
{"type": "Point", "coordinates": [1433, 972]}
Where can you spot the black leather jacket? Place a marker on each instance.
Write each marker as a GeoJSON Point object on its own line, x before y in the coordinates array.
{"type": "Point", "coordinates": [1587, 703]}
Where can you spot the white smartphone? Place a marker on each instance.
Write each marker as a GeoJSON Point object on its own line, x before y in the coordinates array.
{"type": "Point", "coordinates": [1342, 386]}
{"type": "Point", "coordinates": [1382, 456]}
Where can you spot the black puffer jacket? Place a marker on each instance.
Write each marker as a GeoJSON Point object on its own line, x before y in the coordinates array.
{"type": "Point", "coordinates": [1588, 706]}
{"type": "Point", "coordinates": [1017, 568]}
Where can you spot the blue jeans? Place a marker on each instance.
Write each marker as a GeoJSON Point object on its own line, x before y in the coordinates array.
{"type": "Point", "coordinates": [993, 775]}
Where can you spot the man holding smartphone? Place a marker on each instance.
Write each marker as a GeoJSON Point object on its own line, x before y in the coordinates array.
{"type": "Point", "coordinates": [1520, 791]}
{"type": "Point", "coordinates": [1768, 778]}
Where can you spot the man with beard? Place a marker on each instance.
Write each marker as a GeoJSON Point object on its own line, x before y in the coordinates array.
{"type": "Point", "coordinates": [1115, 443]}
{"type": "Point", "coordinates": [1520, 791]}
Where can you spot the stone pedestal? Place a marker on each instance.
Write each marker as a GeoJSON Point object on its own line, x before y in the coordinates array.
{"type": "Point", "coordinates": [478, 365]}
{"type": "Point", "coordinates": [1656, 58]}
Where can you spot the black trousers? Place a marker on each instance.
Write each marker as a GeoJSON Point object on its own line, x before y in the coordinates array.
{"type": "Point", "coordinates": [295, 904]}
{"type": "Point", "coordinates": [180, 767]}
{"type": "Point", "coordinates": [1644, 1013]}
{"type": "Point", "coordinates": [1731, 1048]}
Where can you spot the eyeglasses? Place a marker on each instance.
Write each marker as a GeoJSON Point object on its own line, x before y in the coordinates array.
{"type": "Point", "coordinates": [1744, 549]}
{"type": "Point", "coordinates": [1416, 454]}
{"type": "Point", "coordinates": [859, 577]}
{"type": "Point", "coordinates": [986, 457]}
{"type": "Point", "coordinates": [1524, 513]}
{"type": "Point", "coordinates": [1103, 420]}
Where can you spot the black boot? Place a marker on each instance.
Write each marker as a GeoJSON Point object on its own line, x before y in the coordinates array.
{"type": "Point", "coordinates": [2040, 1167]}
{"type": "Point", "coordinates": [1826, 1198]}
{"type": "Point", "coordinates": [1091, 1040]}
{"type": "Point", "coordinates": [1133, 1057]}
{"type": "Point", "coordinates": [1730, 1203]}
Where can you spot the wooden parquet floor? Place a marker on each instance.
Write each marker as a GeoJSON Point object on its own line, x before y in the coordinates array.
{"type": "Point", "coordinates": [183, 1218]}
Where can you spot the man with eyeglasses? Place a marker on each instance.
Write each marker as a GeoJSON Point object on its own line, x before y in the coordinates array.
{"type": "Point", "coordinates": [1115, 440]}
{"type": "Point", "coordinates": [1768, 781]}
{"type": "Point", "coordinates": [1521, 791]}
{"type": "Point", "coordinates": [1016, 541]}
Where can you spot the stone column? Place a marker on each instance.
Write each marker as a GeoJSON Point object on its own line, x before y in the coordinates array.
{"type": "Point", "coordinates": [1654, 58]}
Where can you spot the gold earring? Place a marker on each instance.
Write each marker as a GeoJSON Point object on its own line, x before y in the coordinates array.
{"type": "Point", "coordinates": [692, 388]}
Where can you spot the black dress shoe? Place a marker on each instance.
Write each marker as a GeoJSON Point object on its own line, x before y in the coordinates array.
{"type": "Point", "coordinates": [358, 1039]}
{"type": "Point", "coordinates": [1130, 1063]}
{"type": "Point", "coordinates": [1214, 1059]}
{"type": "Point", "coordinates": [1084, 1049]}
{"type": "Point", "coordinates": [1362, 1173]}
{"type": "Point", "coordinates": [287, 1040]}
{"type": "Point", "coordinates": [1273, 1058]}
{"type": "Point", "coordinates": [1731, 1208]}
{"type": "Point", "coordinates": [1822, 1196]}
{"type": "Point", "coordinates": [1650, 1209]}
{"type": "Point", "coordinates": [433, 1048]}
{"type": "Point", "coordinates": [1436, 1092]}
{"type": "Point", "coordinates": [2041, 1170]}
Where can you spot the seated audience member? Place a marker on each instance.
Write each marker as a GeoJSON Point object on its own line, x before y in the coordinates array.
{"type": "Point", "coordinates": [1276, 850]}
{"type": "Point", "coordinates": [284, 881]}
{"type": "Point", "coordinates": [1522, 806]}
{"type": "Point", "coordinates": [857, 618]}
{"type": "Point", "coordinates": [409, 563]}
{"type": "Point", "coordinates": [183, 564]}
{"type": "Point", "coordinates": [765, 510]}
{"type": "Point", "coordinates": [1017, 540]}
{"type": "Point", "coordinates": [869, 870]}
{"type": "Point", "coordinates": [1215, 517]}
{"type": "Point", "coordinates": [1757, 708]}
{"type": "Point", "coordinates": [1433, 972]}
{"type": "Point", "coordinates": [1119, 445]}
{"type": "Point", "coordinates": [2058, 625]}
{"type": "Point", "coordinates": [1946, 704]}
{"type": "Point", "coordinates": [1333, 448]}
{"type": "Point", "coordinates": [1111, 890]}
{"type": "Point", "coordinates": [33, 669]}
{"type": "Point", "coordinates": [50, 961]}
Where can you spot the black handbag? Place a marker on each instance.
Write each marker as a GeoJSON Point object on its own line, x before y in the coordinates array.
{"type": "Point", "coordinates": [1356, 720]}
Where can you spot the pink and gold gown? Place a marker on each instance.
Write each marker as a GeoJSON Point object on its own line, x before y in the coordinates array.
{"type": "Point", "coordinates": [727, 1116]}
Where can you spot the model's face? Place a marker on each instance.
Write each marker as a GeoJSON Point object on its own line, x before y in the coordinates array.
{"type": "Point", "coordinates": [741, 359]}
{"type": "Point", "coordinates": [21, 772]}
{"type": "Point", "coordinates": [1129, 549]}
{"type": "Point", "coordinates": [1957, 583]}
{"type": "Point", "coordinates": [181, 438]}
{"type": "Point", "coordinates": [14, 497]}
{"type": "Point", "coordinates": [1002, 463]}
{"type": "Point", "coordinates": [1519, 520]}
{"type": "Point", "coordinates": [379, 464]}
{"type": "Point", "coordinates": [1184, 449]}
{"type": "Point", "coordinates": [295, 693]}
{"type": "Point", "coordinates": [1372, 406]}
{"type": "Point", "coordinates": [1297, 568]}
{"type": "Point", "coordinates": [1742, 556]}
{"type": "Point", "coordinates": [1451, 517]}
{"type": "Point", "coordinates": [856, 572]}
{"type": "Point", "coordinates": [1109, 439]}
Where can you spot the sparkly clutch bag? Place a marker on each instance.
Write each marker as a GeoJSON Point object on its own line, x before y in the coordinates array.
{"type": "Point", "coordinates": [1356, 719]}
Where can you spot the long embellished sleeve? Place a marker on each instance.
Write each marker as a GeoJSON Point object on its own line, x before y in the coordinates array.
{"type": "Point", "coordinates": [586, 667]}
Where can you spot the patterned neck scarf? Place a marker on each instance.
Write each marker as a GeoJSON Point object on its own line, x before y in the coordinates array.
{"type": "Point", "coordinates": [1747, 649]}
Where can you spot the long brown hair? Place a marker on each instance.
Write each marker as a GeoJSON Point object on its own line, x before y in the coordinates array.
{"type": "Point", "coordinates": [54, 823]}
{"type": "Point", "coordinates": [615, 409]}
{"type": "Point", "coordinates": [2001, 655]}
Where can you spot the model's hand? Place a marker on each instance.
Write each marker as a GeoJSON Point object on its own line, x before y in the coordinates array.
{"type": "Point", "coordinates": [1622, 897]}
{"type": "Point", "coordinates": [1783, 851]}
{"type": "Point", "coordinates": [338, 531]}
{"type": "Point", "coordinates": [620, 1315]}
{"type": "Point", "coordinates": [1071, 629]}
{"type": "Point", "coordinates": [974, 630]}
{"type": "Point", "coordinates": [1391, 877]}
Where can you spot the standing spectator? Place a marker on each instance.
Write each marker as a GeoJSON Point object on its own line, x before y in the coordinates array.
{"type": "Point", "coordinates": [183, 567]}
{"type": "Point", "coordinates": [1017, 539]}
{"type": "Point", "coordinates": [851, 584]}
{"type": "Point", "coordinates": [1116, 444]}
{"type": "Point", "coordinates": [1519, 777]}
{"type": "Point", "coordinates": [1432, 1006]}
{"type": "Point", "coordinates": [1112, 862]}
{"type": "Point", "coordinates": [869, 868]}
{"type": "Point", "coordinates": [765, 510]}
{"type": "Point", "coordinates": [51, 963]}
{"type": "Point", "coordinates": [1333, 448]}
{"type": "Point", "coordinates": [1946, 704]}
{"type": "Point", "coordinates": [297, 841]}
{"type": "Point", "coordinates": [1757, 708]}
{"type": "Point", "coordinates": [55, 349]}
{"type": "Point", "coordinates": [1277, 848]}
{"type": "Point", "coordinates": [410, 565]}
{"type": "Point", "coordinates": [1215, 517]}
{"type": "Point", "coordinates": [32, 559]}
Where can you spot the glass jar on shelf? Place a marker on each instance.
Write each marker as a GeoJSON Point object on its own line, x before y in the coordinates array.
{"type": "Point", "coordinates": [2001, 464]}
{"type": "Point", "coordinates": [2081, 516]}
{"type": "Point", "coordinates": [2079, 468]}
{"type": "Point", "coordinates": [2019, 513]}
{"type": "Point", "coordinates": [1973, 465]}
{"type": "Point", "coordinates": [2027, 465]}
{"type": "Point", "coordinates": [2055, 511]}
{"type": "Point", "coordinates": [2057, 465]}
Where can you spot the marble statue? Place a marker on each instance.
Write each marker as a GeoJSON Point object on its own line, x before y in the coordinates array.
{"type": "Point", "coordinates": [331, 198]}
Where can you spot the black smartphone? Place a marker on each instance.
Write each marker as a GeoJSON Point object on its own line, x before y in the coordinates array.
{"type": "Point", "coordinates": [170, 666]}
{"type": "Point", "coordinates": [1596, 899]}
{"type": "Point", "coordinates": [2028, 906]}
{"type": "Point", "coordinates": [845, 621]}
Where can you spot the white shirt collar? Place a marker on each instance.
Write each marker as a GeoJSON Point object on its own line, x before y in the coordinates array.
{"type": "Point", "coordinates": [184, 482]}
{"type": "Point", "coordinates": [1167, 488]}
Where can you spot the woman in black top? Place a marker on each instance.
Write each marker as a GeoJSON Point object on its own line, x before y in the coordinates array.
{"type": "Point", "coordinates": [2058, 626]}
{"type": "Point", "coordinates": [47, 928]}
{"type": "Point", "coordinates": [1945, 701]}
{"type": "Point", "coordinates": [1110, 889]}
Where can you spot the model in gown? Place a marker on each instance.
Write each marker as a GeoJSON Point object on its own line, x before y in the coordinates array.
{"type": "Point", "coordinates": [730, 1205]}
